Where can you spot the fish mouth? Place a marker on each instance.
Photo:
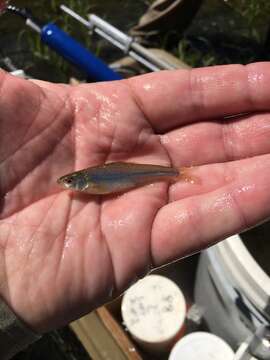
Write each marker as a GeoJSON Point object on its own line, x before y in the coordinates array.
{"type": "Point", "coordinates": [62, 183]}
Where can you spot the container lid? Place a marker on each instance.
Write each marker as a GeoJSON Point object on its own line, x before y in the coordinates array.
{"type": "Point", "coordinates": [202, 346]}
{"type": "Point", "coordinates": [154, 310]}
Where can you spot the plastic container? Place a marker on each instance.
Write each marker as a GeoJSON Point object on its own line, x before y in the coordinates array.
{"type": "Point", "coordinates": [154, 311]}
{"type": "Point", "coordinates": [202, 346]}
{"type": "Point", "coordinates": [233, 290]}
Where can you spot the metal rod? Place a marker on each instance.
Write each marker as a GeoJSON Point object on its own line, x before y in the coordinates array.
{"type": "Point", "coordinates": [111, 30]}
{"type": "Point", "coordinates": [76, 16]}
{"type": "Point", "coordinates": [121, 40]}
{"type": "Point", "coordinates": [149, 56]}
{"type": "Point", "coordinates": [128, 42]}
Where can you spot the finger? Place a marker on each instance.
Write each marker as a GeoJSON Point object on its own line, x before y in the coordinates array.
{"type": "Point", "coordinates": [173, 98]}
{"type": "Point", "coordinates": [48, 86]}
{"type": "Point", "coordinates": [208, 178]}
{"type": "Point", "coordinates": [212, 142]}
{"type": "Point", "coordinates": [195, 223]}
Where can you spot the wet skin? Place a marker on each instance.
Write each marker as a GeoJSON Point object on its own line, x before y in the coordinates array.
{"type": "Point", "coordinates": [62, 255]}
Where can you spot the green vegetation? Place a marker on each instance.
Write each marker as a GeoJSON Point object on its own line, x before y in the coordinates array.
{"type": "Point", "coordinates": [256, 13]}
{"type": "Point", "coordinates": [223, 32]}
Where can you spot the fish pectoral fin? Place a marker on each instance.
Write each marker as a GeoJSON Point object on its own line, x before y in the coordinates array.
{"type": "Point", "coordinates": [97, 189]}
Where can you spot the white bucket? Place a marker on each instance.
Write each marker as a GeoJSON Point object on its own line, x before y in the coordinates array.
{"type": "Point", "coordinates": [233, 290]}
{"type": "Point", "coordinates": [202, 346]}
{"type": "Point", "coordinates": [244, 271]}
{"type": "Point", "coordinates": [154, 311]}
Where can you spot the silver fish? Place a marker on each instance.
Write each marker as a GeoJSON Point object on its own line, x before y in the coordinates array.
{"type": "Point", "coordinates": [116, 177]}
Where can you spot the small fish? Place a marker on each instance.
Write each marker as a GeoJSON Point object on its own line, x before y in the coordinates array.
{"type": "Point", "coordinates": [116, 177]}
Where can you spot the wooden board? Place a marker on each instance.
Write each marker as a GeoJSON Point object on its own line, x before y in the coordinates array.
{"type": "Point", "coordinates": [103, 338]}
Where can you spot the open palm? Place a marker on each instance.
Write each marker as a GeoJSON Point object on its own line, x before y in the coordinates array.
{"type": "Point", "coordinates": [62, 254]}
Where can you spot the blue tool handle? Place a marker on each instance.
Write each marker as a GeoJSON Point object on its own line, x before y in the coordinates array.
{"type": "Point", "coordinates": [74, 52]}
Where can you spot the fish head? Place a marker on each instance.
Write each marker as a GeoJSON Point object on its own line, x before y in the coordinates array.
{"type": "Point", "coordinates": [75, 181]}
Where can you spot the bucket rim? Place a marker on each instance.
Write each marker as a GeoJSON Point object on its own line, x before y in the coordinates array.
{"type": "Point", "coordinates": [245, 271]}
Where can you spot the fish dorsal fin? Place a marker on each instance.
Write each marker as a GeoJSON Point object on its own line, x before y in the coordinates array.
{"type": "Point", "coordinates": [118, 165]}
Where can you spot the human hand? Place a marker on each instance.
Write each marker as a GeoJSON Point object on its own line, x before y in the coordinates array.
{"type": "Point", "coordinates": [62, 254]}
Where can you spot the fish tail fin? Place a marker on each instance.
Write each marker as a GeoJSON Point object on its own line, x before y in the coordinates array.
{"type": "Point", "coordinates": [186, 174]}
